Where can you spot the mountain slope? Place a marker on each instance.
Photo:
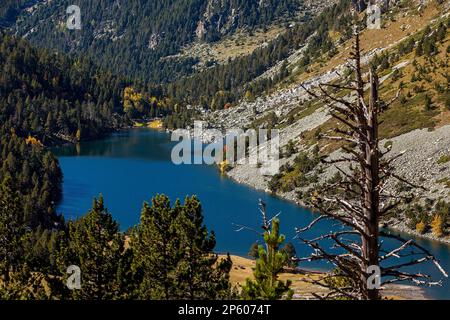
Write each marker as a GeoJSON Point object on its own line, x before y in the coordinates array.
{"type": "Point", "coordinates": [11, 9]}
{"type": "Point", "coordinates": [411, 51]}
{"type": "Point", "coordinates": [47, 99]}
{"type": "Point", "coordinates": [51, 97]}
{"type": "Point", "coordinates": [131, 37]}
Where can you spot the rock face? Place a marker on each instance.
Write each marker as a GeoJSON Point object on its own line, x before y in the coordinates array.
{"type": "Point", "coordinates": [385, 5]}
{"type": "Point", "coordinates": [200, 32]}
{"type": "Point", "coordinates": [221, 17]}
{"type": "Point", "coordinates": [155, 38]}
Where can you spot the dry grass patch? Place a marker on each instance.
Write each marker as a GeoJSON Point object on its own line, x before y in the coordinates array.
{"type": "Point", "coordinates": [243, 269]}
{"type": "Point", "coordinates": [239, 44]}
{"type": "Point", "coordinates": [391, 33]}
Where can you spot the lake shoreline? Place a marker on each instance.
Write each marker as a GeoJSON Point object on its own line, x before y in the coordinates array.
{"type": "Point", "coordinates": [242, 269]}
{"type": "Point", "coordinates": [85, 177]}
{"type": "Point", "coordinates": [394, 225]}
{"type": "Point", "coordinates": [154, 124]}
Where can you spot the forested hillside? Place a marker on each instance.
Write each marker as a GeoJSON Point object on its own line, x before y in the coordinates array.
{"type": "Point", "coordinates": [51, 97]}
{"type": "Point", "coordinates": [10, 9]}
{"type": "Point", "coordinates": [47, 99]}
{"type": "Point", "coordinates": [227, 84]}
{"type": "Point", "coordinates": [147, 47]}
{"type": "Point", "coordinates": [133, 37]}
{"type": "Point", "coordinates": [125, 63]}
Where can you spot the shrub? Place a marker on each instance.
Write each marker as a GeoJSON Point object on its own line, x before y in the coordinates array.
{"type": "Point", "coordinates": [388, 144]}
{"type": "Point", "coordinates": [416, 214]}
{"type": "Point", "coordinates": [428, 103]}
{"type": "Point", "coordinates": [403, 99]}
{"type": "Point", "coordinates": [290, 149]}
{"type": "Point", "coordinates": [444, 159]}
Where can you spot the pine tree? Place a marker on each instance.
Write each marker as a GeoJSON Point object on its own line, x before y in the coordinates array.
{"type": "Point", "coordinates": [78, 135]}
{"type": "Point", "coordinates": [173, 254]}
{"type": "Point", "coordinates": [96, 247]}
{"type": "Point", "coordinates": [270, 264]}
{"type": "Point", "coordinates": [254, 251]}
{"type": "Point", "coordinates": [155, 248]}
{"type": "Point", "coordinates": [291, 253]}
{"type": "Point", "coordinates": [11, 227]}
{"type": "Point", "coordinates": [199, 273]}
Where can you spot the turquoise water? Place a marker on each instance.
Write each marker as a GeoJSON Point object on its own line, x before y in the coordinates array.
{"type": "Point", "coordinates": [131, 167]}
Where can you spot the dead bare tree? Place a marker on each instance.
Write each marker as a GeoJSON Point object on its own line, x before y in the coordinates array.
{"type": "Point", "coordinates": [362, 199]}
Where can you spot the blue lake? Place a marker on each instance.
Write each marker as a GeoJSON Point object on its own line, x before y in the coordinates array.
{"type": "Point", "coordinates": [131, 167]}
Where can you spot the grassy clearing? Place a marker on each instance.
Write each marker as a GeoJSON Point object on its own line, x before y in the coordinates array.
{"type": "Point", "coordinates": [236, 45]}
{"type": "Point", "coordinates": [405, 117]}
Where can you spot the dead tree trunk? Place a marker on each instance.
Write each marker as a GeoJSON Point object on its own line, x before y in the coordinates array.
{"type": "Point", "coordinates": [363, 200]}
{"type": "Point", "coordinates": [371, 191]}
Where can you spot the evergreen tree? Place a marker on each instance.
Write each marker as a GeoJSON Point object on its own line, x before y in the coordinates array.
{"type": "Point", "coordinates": [199, 273]}
{"type": "Point", "coordinates": [11, 228]}
{"type": "Point", "coordinates": [270, 264]}
{"type": "Point", "coordinates": [96, 247]}
{"type": "Point", "coordinates": [428, 103]}
{"type": "Point", "coordinates": [254, 251]}
{"type": "Point", "coordinates": [291, 253]}
{"type": "Point", "coordinates": [155, 248]}
{"type": "Point", "coordinates": [173, 254]}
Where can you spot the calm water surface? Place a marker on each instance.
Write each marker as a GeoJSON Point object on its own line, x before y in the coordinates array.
{"type": "Point", "coordinates": [131, 167]}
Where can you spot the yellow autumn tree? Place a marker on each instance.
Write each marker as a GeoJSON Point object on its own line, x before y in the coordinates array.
{"type": "Point", "coordinates": [33, 141]}
{"type": "Point", "coordinates": [223, 167]}
{"type": "Point", "coordinates": [438, 226]}
{"type": "Point", "coordinates": [132, 100]}
{"type": "Point", "coordinates": [421, 227]}
{"type": "Point", "coordinates": [78, 135]}
{"type": "Point", "coordinates": [248, 95]}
